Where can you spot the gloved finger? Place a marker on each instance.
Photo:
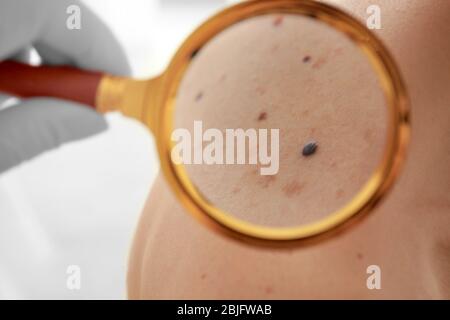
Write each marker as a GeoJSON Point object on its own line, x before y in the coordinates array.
{"type": "Point", "coordinates": [34, 126]}
{"type": "Point", "coordinates": [44, 24]}
{"type": "Point", "coordinates": [7, 101]}
{"type": "Point", "coordinates": [20, 23]}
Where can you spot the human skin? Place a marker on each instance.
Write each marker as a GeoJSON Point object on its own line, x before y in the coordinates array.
{"type": "Point", "coordinates": [407, 236]}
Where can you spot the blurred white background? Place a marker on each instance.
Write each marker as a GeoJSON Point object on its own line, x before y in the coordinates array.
{"type": "Point", "coordinates": [80, 204]}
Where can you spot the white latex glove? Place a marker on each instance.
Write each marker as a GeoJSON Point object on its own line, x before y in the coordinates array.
{"type": "Point", "coordinates": [42, 124]}
{"type": "Point", "coordinates": [56, 211]}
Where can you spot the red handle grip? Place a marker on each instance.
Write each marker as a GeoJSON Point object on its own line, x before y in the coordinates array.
{"type": "Point", "coordinates": [59, 82]}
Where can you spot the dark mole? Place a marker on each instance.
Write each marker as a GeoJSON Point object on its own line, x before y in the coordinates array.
{"type": "Point", "coordinates": [306, 59]}
{"type": "Point", "coordinates": [278, 21]}
{"type": "Point", "coordinates": [309, 149]}
{"type": "Point", "coordinates": [199, 96]}
{"type": "Point", "coordinates": [262, 116]}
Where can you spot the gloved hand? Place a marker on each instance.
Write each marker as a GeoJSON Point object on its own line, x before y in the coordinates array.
{"type": "Point", "coordinates": [33, 126]}
{"type": "Point", "coordinates": [79, 205]}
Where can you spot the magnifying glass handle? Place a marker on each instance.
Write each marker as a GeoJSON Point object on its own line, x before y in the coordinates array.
{"type": "Point", "coordinates": [102, 92]}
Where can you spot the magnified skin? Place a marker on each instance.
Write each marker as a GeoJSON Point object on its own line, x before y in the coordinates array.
{"type": "Point", "coordinates": [408, 236]}
{"type": "Point", "coordinates": [254, 76]}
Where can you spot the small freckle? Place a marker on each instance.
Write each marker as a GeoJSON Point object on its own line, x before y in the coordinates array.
{"type": "Point", "coordinates": [199, 96]}
{"type": "Point", "coordinates": [309, 149]}
{"type": "Point", "coordinates": [338, 51]}
{"type": "Point", "coordinates": [306, 59]}
{"type": "Point", "coordinates": [278, 21]}
{"type": "Point", "coordinates": [261, 90]}
{"type": "Point", "coordinates": [368, 135]}
{"type": "Point", "coordinates": [262, 116]}
{"type": "Point", "coordinates": [268, 290]}
{"type": "Point", "coordinates": [236, 190]}
{"type": "Point", "coordinates": [360, 256]}
{"type": "Point", "coordinates": [339, 193]}
{"type": "Point", "coordinates": [267, 181]}
{"type": "Point", "coordinates": [292, 189]}
{"type": "Point", "coordinates": [223, 78]}
{"type": "Point", "coordinates": [319, 63]}
{"type": "Point", "coordinates": [203, 276]}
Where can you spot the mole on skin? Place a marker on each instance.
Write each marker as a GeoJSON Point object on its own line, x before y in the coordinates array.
{"type": "Point", "coordinates": [278, 21]}
{"type": "Point", "coordinates": [262, 116]}
{"type": "Point", "coordinates": [309, 149]}
{"type": "Point", "coordinates": [199, 96]}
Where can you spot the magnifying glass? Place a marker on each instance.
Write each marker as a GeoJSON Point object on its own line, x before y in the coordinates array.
{"type": "Point", "coordinates": [247, 85]}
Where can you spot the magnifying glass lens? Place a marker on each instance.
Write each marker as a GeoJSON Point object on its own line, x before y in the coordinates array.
{"type": "Point", "coordinates": [280, 121]}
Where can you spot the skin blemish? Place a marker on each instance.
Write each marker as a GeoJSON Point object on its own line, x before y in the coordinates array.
{"type": "Point", "coordinates": [236, 190]}
{"type": "Point", "coordinates": [261, 90]}
{"type": "Point", "coordinates": [292, 189]}
{"type": "Point", "coordinates": [203, 276]}
{"type": "Point", "coordinates": [266, 181]}
{"type": "Point", "coordinates": [262, 116]}
{"type": "Point", "coordinates": [268, 290]}
{"type": "Point", "coordinates": [278, 21]}
{"type": "Point", "coordinates": [199, 96]}
{"type": "Point", "coordinates": [339, 193]}
{"type": "Point", "coordinates": [368, 136]}
{"type": "Point", "coordinates": [319, 63]}
{"type": "Point", "coordinates": [309, 149]}
{"type": "Point", "coordinates": [223, 78]}
{"type": "Point", "coordinates": [359, 255]}
{"type": "Point", "coordinates": [306, 59]}
{"type": "Point", "coordinates": [338, 51]}
{"type": "Point", "coordinates": [255, 175]}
